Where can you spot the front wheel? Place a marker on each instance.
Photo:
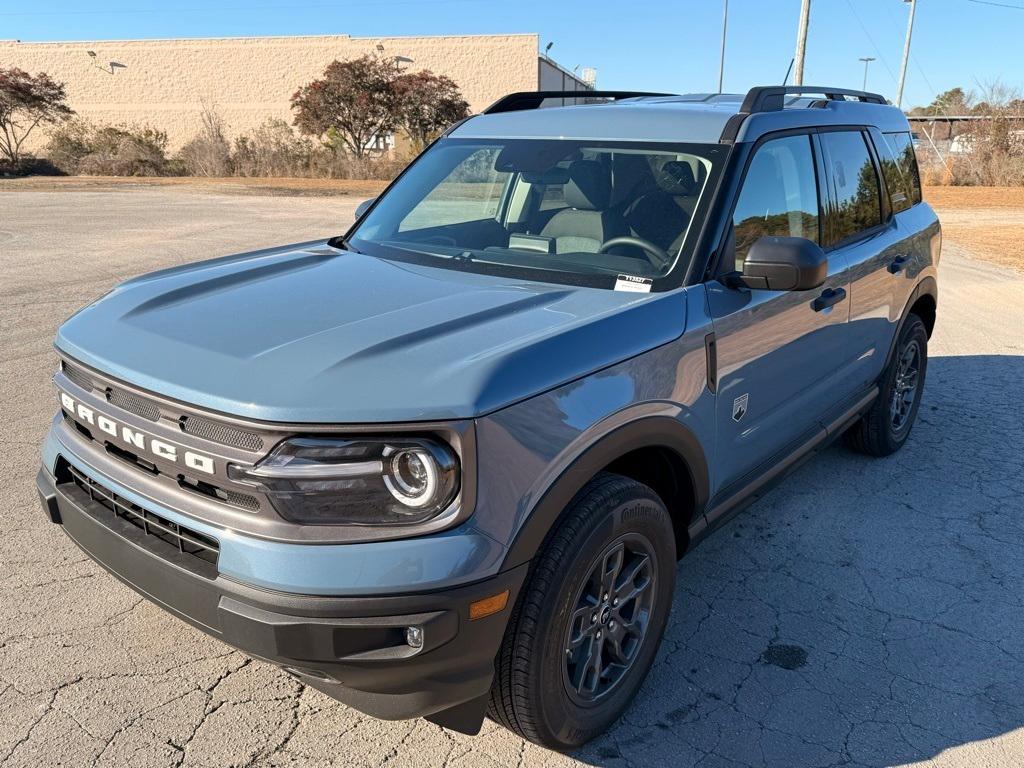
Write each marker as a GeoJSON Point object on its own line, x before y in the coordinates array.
{"type": "Point", "coordinates": [589, 621]}
{"type": "Point", "coordinates": [883, 430]}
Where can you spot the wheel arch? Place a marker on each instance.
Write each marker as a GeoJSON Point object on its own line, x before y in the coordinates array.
{"type": "Point", "coordinates": [659, 451]}
{"type": "Point", "coordinates": [923, 302]}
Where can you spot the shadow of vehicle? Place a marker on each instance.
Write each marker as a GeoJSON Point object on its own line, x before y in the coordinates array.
{"type": "Point", "coordinates": [866, 612]}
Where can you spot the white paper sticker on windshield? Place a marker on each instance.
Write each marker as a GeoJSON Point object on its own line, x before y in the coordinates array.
{"type": "Point", "coordinates": [633, 284]}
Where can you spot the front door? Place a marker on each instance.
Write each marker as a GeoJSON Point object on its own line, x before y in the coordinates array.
{"type": "Point", "coordinates": [780, 358]}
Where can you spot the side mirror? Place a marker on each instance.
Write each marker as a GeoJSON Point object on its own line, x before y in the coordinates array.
{"type": "Point", "coordinates": [784, 264]}
{"type": "Point", "coordinates": [363, 207]}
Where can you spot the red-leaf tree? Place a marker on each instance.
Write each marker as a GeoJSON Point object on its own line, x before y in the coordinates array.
{"type": "Point", "coordinates": [427, 104]}
{"type": "Point", "coordinates": [27, 101]}
{"type": "Point", "coordinates": [354, 100]}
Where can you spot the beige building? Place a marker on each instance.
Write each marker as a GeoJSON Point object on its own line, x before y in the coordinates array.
{"type": "Point", "coordinates": [165, 83]}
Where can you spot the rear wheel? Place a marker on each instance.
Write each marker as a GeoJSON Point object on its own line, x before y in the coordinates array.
{"type": "Point", "coordinates": [883, 430]}
{"type": "Point", "coordinates": [589, 621]}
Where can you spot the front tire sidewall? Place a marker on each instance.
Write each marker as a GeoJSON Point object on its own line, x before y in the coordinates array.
{"type": "Point", "coordinates": [914, 331]}
{"type": "Point", "coordinates": [567, 723]}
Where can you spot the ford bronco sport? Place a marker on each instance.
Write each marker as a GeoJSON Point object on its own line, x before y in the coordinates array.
{"type": "Point", "coordinates": [444, 465]}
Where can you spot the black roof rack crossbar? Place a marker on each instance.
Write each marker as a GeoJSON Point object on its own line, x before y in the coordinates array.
{"type": "Point", "coordinates": [515, 102]}
{"type": "Point", "coordinates": [771, 98]}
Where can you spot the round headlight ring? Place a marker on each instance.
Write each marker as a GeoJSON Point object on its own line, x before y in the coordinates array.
{"type": "Point", "coordinates": [413, 477]}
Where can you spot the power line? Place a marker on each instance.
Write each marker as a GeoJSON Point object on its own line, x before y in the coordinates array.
{"type": "Point", "coordinates": [997, 5]}
{"type": "Point", "coordinates": [874, 45]}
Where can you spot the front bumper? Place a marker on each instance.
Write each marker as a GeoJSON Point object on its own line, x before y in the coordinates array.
{"type": "Point", "coordinates": [352, 648]}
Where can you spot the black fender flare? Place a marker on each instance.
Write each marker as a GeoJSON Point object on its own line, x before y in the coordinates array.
{"type": "Point", "coordinates": [927, 287]}
{"type": "Point", "coordinates": [655, 431]}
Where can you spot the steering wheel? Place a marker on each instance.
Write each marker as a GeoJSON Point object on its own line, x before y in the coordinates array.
{"type": "Point", "coordinates": [660, 257]}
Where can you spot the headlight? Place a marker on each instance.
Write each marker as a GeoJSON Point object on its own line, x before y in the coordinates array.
{"type": "Point", "coordinates": [365, 481]}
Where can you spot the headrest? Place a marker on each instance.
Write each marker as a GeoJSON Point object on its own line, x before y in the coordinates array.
{"type": "Point", "coordinates": [589, 187]}
{"type": "Point", "coordinates": [676, 178]}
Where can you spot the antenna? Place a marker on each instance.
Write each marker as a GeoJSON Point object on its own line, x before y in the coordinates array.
{"type": "Point", "coordinates": [785, 80]}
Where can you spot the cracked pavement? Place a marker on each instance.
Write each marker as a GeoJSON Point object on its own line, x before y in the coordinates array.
{"type": "Point", "coordinates": [864, 613]}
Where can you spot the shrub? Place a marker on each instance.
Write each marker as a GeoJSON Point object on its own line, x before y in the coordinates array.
{"type": "Point", "coordinates": [208, 153]}
{"type": "Point", "coordinates": [69, 144]}
{"type": "Point", "coordinates": [110, 150]}
{"type": "Point", "coordinates": [273, 149]}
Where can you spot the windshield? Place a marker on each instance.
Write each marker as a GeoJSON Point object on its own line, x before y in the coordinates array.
{"type": "Point", "coordinates": [559, 206]}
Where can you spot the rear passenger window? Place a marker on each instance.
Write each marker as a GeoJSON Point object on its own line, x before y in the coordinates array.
{"type": "Point", "coordinates": [899, 167]}
{"type": "Point", "coordinates": [855, 183]}
{"type": "Point", "coordinates": [779, 197]}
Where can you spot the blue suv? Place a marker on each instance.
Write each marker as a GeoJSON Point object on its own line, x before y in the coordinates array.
{"type": "Point", "coordinates": [444, 465]}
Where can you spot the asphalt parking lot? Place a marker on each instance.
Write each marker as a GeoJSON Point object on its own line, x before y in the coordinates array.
{"type": "Point", "coordinates": [865, 613]}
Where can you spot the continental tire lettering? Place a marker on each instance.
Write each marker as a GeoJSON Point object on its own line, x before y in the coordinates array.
{"type": "Point", "coordinates": [637, 512]}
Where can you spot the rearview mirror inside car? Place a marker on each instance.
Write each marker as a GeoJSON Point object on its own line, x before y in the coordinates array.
{"type": "Point", "coordinates": [363, 207]}
{"type": "Point", "coordinates": [784, 264]}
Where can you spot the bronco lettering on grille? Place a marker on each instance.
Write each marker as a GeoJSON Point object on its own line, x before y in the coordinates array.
{"type": "Point", "coordinates": [136, 439]}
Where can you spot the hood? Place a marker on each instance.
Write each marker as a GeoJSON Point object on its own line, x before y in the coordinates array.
{"type": "Point", "coordinates": [317, 334]}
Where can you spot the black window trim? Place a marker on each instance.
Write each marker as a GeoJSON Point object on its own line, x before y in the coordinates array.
{"type": "Point", "coordinates": [915, 170]}
{"type": "Point", "coordinates": [718, 267]}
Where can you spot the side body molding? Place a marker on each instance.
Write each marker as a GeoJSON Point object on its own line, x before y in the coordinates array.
{"type": "Point", "coordinates": [659, 431]}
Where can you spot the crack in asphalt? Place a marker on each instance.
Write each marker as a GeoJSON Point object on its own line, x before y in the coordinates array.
{"type": "Point", "coordinates": [902, 580]}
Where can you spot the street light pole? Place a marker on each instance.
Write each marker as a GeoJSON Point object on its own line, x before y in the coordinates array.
{"type": "Point", "coordinates": [906, 52]}
{"type": "Point", "coordinates": [801, 41]}
{"type": "Point", "coordinates": [867, 60]}
{"type": "Point", "coordinates": [721, 58]}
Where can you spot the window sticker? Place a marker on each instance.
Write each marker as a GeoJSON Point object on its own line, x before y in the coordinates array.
{"type": "Point", "coordinates": [633, 284]}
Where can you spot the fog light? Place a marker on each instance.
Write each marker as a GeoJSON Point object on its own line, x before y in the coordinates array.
{"type": "Point", "coordinates": [414, 637]}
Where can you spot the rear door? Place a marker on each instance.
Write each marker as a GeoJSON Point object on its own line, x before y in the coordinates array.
{"type": "Point", "coordinates": [776, 354]}
{"type": "Point", "coordinates": [862, 228]}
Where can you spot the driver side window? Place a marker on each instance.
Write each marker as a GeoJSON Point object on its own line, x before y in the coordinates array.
{"type": "Point", "coordinates": [779, 197]}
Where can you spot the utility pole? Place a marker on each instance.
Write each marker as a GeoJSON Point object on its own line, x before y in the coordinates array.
{"type": "Point", "coordinates": [721, 58]}
{"type": "Point", "coordinates": [867, 60]}
{"type": "Point", "coordinates": [906, 53]}
{"type": "Point", "coordinates": [801, 41]}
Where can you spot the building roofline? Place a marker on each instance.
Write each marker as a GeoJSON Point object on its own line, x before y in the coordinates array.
{"type": "Point", "coordinates": [340, 35]}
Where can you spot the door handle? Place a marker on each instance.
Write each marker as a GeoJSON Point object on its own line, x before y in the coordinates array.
{"type": "Point", "coordinates": [898, 264]}
{"type": "Point", "coordinates": [829, 298]}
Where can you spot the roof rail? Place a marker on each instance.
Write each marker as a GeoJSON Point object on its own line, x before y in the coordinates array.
{"type": "Point", "coordinates": [771, 98]}
{"type": "Point", "coordinates": [515, 102]}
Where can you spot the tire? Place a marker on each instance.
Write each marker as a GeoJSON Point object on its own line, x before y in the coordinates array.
{"type": "Point", "coordinates": [544, 690]}
{"type": "Point", "coordinates": [882, 431]}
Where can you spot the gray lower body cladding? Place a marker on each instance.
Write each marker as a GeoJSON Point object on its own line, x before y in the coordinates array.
{"type": "Point", "coordinates": [352, 648]}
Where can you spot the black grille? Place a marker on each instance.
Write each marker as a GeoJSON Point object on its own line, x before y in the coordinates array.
{"type": "Point", "coordinates": [133, 403]}
{"type": "Point", "coordinates": [221, 433]}
{"type": "Point", "coordinates": [77, 375]}
{"type": "Point", "coordinates": [162, 536]}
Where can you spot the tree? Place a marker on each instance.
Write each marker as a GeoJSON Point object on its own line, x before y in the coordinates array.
{"type": "Point", "coordinates": [354, 100]}
{"type": "Point", "coordinates": [27, 101]}
{"type": "Point", "coordinates": [427, 104]}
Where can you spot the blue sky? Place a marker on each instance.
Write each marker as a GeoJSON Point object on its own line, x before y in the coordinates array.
{"type": "Point", "coordinates": [669, 45]}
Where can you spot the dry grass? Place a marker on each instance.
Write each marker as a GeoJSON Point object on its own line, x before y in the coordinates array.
{"type": "Point", "coordinates": [231, 185]}
{"type": "Point", "coordinates": [987, 221]}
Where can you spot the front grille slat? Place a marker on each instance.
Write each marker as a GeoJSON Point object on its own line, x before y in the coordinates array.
{"type": "Point", "coordinates": [77, 375]}
{"type": "Point", "coordinates": [133, 404]}
{"type": "Point", "coordinates": [201, 551]}
{"type": "Point", "coordinates": [221, 433]}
